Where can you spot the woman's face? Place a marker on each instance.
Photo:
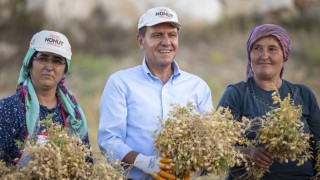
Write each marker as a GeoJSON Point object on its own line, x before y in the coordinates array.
{"type": "Point", "coordinates": [266, 58]}
{"type": "Point", "coordinates": [47, 70]}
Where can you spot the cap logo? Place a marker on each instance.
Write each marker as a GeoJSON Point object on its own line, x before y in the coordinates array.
{"type": "Point", "coordinates": [158, 15]}
{"type": "Point", "coordinates": [53, 40]}
{"type": "Point", "coordinates": [163, 13]}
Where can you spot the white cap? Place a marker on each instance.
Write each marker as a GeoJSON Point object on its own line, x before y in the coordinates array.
{"type": "Point", "coordinates": [51, 41]}
{"type": "Point", "coordinates": [158, 15]}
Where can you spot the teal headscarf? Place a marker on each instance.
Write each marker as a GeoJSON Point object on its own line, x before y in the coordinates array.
{"type": "Point", "coordinates": [76, 118]}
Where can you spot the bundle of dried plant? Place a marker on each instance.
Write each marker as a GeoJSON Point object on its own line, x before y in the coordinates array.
{"type": "Point", "coordinates": [281, 132]}
{"type": "Point", "coordinates": [61, 157]}
{"type": "Point", "coordinates": [198, 142]}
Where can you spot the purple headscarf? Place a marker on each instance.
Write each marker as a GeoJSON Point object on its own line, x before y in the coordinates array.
{"type": "Point", "coordinates": [268, 30]}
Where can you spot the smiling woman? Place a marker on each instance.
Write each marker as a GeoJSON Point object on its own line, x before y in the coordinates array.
{"type": "Point", "coordinates": [40, 92]}
{"type": "Point", "coordinates": [268, 49]}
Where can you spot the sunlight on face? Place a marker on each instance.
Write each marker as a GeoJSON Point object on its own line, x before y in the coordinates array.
{"type": "Point", "coordinates": [160, 45]}
{"type": "Point", "coordinates": [47, 74]}
{"type": "Point", "coordinates": [267, 58]}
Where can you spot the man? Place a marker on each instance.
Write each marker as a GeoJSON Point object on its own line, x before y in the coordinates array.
{"type": "Point", "coordinates": [134, 99]}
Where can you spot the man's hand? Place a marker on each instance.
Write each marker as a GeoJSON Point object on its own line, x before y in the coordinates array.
{"type": "Point", "coordinates": [154, 166]}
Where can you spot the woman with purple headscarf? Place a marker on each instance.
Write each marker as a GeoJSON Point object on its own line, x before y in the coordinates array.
{"type": "Point", "coordinates": [268, 49]}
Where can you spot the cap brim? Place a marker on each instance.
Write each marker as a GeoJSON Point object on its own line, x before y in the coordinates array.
{"type": "Point", "coordinates": [53, 51]}
{"type": "Point", "coordinates": [176, 24]}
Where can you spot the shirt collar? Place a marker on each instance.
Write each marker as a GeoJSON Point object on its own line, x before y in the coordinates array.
{"type": "Point", "coordinates": [174, 64]}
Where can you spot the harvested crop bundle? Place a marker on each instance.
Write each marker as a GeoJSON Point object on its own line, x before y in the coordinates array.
{"type": "Point", "coordinates": [198, 142]}
{"type": "Point", "coordinates": [59, 156]}
{"type": "Point", "coordinates": [281, 132]}
{"type": "Point", "coordinates": [317, 163]}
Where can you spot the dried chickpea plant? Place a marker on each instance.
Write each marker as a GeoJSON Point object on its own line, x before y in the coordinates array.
{"type": "Point", "coordinates": [61, 157]}
{"type": "Point", "coordinates": [317, 161]}
{"type": "Point", "coordinates": [198, 142]}
{"type": "Point", "coordinates": [281, 132]}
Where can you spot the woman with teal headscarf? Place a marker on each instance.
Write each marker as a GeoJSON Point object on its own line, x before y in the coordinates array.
{"type": "Point", "coordinates": [40, 92]}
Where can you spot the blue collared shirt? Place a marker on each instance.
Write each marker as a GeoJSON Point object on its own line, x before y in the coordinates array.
{"type": "Point", "coordinates": [132, 103]}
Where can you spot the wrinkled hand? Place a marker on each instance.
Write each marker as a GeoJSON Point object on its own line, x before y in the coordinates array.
{"type": "Point", "coordinates": [261, 157]}
{"type": "Point", "coordinates": [154, 166]}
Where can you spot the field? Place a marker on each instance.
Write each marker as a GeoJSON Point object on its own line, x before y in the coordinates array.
{"type": "Point", "coordinates": [217, 54]}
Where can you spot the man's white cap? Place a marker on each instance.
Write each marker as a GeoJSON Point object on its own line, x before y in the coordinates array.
{"type": "Point", "coordinates": [159, 15]}
{"type": "Point", "coordinates": [51, 41]}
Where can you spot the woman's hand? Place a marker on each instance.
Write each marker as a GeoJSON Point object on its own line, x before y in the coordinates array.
{"type": "Point", "coordinates": [261, 157]}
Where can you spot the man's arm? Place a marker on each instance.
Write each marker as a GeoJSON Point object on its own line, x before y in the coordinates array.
{"type": "Point", "coordinates": [113, 121]}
